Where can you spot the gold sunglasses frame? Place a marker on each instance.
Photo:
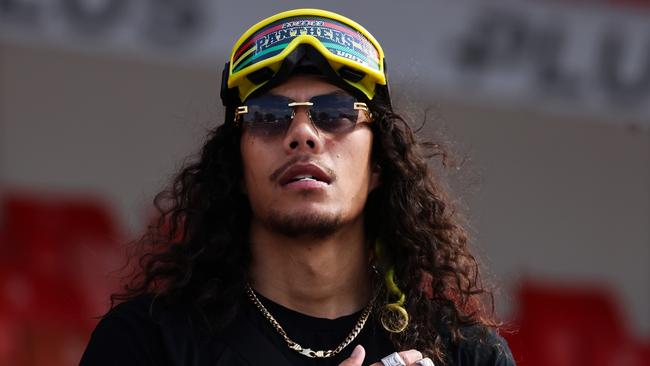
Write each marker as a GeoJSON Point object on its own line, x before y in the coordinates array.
{"type": "Point", "coordinates": [358, 106]}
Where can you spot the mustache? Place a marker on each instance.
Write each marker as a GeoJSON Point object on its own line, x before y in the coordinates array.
{"type": "Point", "coordinates": [295, 160]}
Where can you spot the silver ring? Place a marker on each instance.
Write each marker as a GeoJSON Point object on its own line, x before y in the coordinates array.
{"type": "Point", "coordinates": [425, 362]}
{"type": "Point", "coordinates": [394, 359]}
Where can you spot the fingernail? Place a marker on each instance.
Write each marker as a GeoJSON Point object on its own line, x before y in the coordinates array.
{"type": "Point", "coordinates": [356, 352]}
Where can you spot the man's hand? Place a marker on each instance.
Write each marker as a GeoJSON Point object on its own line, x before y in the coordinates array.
{"type": "Point", "coordinates": [410, 357]}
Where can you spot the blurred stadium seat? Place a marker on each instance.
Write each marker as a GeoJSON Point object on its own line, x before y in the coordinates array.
{"type": "Point", "coordinates": [56, 253]}
{"type": "Point", "coordinates": [564, 325]}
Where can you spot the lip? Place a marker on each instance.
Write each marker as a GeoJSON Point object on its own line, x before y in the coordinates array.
{"type": "Point", "coordinates": [304, 169]}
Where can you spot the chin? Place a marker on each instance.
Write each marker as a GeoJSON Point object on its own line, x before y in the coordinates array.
{"type": "Point", "coordinates": [304, 224]}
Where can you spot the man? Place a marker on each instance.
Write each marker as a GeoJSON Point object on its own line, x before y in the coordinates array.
{"type": "Point", "coordinates": [310, 231]}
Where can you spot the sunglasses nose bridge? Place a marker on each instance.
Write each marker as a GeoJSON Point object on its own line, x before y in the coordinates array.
{"type": "Point", "coordinates": [306, 106]}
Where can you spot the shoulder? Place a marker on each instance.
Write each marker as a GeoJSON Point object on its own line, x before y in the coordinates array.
{"type": "Point", "coordinates": [128, 334]}
{"type": "Point", "coordinates": [149, 331]}
{"type": "Point", "coordinates": [130, 313]}
{"type": "Point", "coordinates": [144, 314]}
{"type": "Point", "coordinates": [480, 346]}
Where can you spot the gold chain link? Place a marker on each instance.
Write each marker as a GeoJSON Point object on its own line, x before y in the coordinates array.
{"type": "Point", "coordinates": [307, 351]}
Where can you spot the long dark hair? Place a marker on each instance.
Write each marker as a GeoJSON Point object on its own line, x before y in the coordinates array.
{"type": "Point", "coordinates": [196, 252]}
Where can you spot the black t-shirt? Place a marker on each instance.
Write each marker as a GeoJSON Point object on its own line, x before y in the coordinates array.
{"type": "Point", "coordinates": [137, 333]}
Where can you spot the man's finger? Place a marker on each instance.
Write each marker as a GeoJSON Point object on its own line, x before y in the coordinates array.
{"type": "Point", "coordinates": [356, 358]}
{"type": "Point", "coordinates": [409, 357]}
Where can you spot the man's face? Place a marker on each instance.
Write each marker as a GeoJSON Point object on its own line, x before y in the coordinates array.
{"type": "Point", "coordinates": [307, 181]}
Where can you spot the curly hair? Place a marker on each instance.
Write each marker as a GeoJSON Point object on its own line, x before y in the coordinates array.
{"type": "Point", "coordinates": [196, 251]}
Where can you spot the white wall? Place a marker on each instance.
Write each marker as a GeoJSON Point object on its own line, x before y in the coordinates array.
{"type": "Point", "coordinates": [558, 198]}
{"type": "Point", "coordinates": [95, 125]}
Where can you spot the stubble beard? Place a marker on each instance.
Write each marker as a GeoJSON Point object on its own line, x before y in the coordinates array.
{"type": "Point", "coordinates": [310, 225]}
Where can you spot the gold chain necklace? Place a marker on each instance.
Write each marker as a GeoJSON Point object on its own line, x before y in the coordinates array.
{"type": "Point", "coordinates": [307, 351]}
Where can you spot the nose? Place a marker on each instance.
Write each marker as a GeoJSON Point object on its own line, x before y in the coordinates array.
{"type": "Point", "coordinates": [302, 135]}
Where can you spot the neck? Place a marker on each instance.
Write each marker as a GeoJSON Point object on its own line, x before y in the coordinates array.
{"type": "Point", "coordinates": [325, 278]}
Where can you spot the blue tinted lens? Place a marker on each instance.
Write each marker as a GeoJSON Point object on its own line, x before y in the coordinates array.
{"type": "Point", "coordinates": [334, 112]}
{"type": "Point", "coordinates": [267, 115]}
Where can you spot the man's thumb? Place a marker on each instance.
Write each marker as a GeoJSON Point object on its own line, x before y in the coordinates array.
{"type": "Point", "coordinates": [356, 358]}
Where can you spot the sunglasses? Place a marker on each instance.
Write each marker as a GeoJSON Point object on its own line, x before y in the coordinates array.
{"type": "Point", "coordinates": [271, 115]}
